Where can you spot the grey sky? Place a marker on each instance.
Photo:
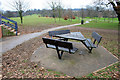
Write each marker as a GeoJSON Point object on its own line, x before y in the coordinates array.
{"type": "Point", "coordinates": [43, 4]}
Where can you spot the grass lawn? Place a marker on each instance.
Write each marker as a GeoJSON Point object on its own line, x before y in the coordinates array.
{"type": "Point", "coordinates": [34, 20]}
{"type": "Point", "coordinates": [101, 25]}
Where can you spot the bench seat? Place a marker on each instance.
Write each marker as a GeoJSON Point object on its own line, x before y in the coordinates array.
{"type": "Point", "coordinates": [62, 48]}
{"type": "Point", "coordinates": [89, 43]}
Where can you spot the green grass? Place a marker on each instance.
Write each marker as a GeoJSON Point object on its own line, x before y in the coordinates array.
{"type": "Point", "coordinates": [101, 25]}
{"type": "Point", "coordinates": [107, 19]}
{"type": "Point", "coordinates": [49, 70]}
{"type": "Point", "coordinates": [34, 20]}
{"type": "Point", "coordinates": [55, 73]}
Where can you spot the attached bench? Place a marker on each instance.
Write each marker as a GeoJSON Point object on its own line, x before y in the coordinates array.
{"type": "Point", "coordinates": [59, 32]}
{"type": "Point", "coordinates": [59, 45]}
{"type": "Point", "coordinates": [89, 44]}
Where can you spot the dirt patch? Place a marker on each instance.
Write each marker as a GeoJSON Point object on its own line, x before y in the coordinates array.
{"type": "Point", "coordinates": [92, 29]}
{"type": "Point", "coordinates": [37, 28]}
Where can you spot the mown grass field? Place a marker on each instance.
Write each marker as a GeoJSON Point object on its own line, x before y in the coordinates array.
{"type": "Point", "coordinates": [102, 25]}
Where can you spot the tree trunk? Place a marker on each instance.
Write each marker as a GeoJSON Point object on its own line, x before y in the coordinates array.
{"type": "Point", "coordinates": [117, 9]}
{"type": "Point", "coordinates": [59, 14]}
{"type": "Point", "coordinates": [119, 18]}
{"type": "Point", "coordinates": [21, 17]}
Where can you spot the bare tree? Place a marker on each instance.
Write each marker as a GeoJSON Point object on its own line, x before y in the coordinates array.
{"type": "Point", "coordinates": [59, 8]}
{"type": "Point", "coordinates": [70, 14]}
{"type": "Point", "coordinates": [53, 6]}
{"type": "Point", "coordinates": [89, 11]}
{"type": "Point", "coordinates": [20, 6]}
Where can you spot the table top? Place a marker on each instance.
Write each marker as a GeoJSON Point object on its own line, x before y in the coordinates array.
{"type": "Point", "coordinates": [73, 35]}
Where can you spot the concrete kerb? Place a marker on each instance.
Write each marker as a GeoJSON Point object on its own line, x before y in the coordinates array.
{"type": "Point", "coordinates": [108, 65]}
{"type": "Point", "coordinates": [105, 67]}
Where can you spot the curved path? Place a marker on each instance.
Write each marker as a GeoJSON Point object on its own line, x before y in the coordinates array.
{"type": "Point", "coordinates": [11, 42]}
{"type": "Point", "coordinates": [16, 40]}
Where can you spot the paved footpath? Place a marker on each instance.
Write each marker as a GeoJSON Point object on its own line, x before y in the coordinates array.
{"type": "Point", "coordinates": [12, 42]}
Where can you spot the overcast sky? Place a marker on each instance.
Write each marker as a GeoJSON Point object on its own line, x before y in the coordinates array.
{"type": "Point", "coordinates": [43, 4]}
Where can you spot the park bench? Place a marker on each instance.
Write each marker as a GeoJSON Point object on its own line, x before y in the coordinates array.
{"type": "Point", "coordinates": [59, 45]}
{"type": "Point", "coordinates": [59, 32]}
{"type": "Point", "coordinates": [89, 44]}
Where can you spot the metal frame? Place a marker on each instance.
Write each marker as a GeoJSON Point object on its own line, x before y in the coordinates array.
{"type": "Point", "coordinates": [8, 24]}
{"type": "Point", "coordinates": [57, 44]}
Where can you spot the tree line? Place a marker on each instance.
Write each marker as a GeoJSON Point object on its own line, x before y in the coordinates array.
{"type": "Point", "coordinates": [57, 10]}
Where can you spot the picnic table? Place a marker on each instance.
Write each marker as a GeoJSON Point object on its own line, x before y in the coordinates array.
{"type": "Point", "coordinates": [78, 36]}
{"type": "Point", "coordinates": [62, 45]}
{"type": "Point", "coordinates": [73, 35]}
